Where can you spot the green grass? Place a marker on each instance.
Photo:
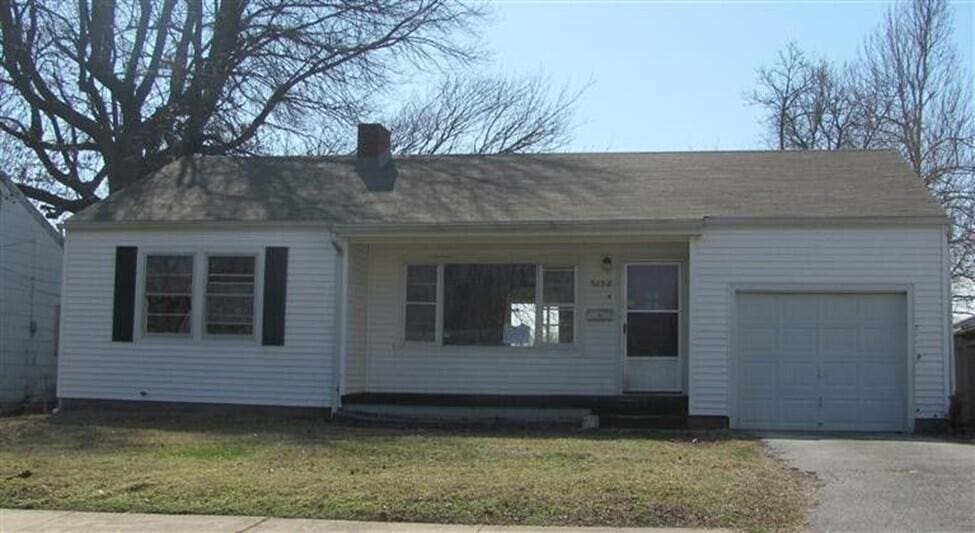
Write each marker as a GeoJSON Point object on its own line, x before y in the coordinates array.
{"type": "Point", "coordinates": [311, 468]}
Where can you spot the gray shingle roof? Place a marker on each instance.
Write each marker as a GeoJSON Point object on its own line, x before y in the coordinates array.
{"type": "Point", "coordinates": [591, 187]}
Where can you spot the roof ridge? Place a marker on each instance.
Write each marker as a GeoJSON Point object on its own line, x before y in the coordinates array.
{"type": "Point", "coordinates": [557, 154]}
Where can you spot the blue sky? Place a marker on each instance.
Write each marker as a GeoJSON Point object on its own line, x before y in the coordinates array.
{"type": "Point", "coordinates": [671, 76]}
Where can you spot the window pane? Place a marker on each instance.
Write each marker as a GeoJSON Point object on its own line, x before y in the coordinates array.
{"type": "Point", "coordinates": [230, 329]}
{"type": "Point", "coordinates": [421, 283]}
{"type": "Point", "coordinates": [651, 334]}
{"type": "Point", "coordinates": [161, 283]}
{"type": "Point", "coordinates": [168, 304]}
{"type": "Point", "coordinates": [558, 285]}
{"type": "Point", "coordinates": [169, 293]}
{"type": "Point", "coordinates": [221, 307]}
{"type": "Point", "coordinates": [168, 323]}
{"type": "Point", "coordinates": [169, 264]}
{"type": "Point", "coordinates": [558, 326]}
{"type": "Point", "coordinates": [230, 295]}
{"type": "Point", "coordinates": [652, 287]}
{"type": "Point", "coordinates": [421, 322]}
{"type": "Point", "coordinates": [232, 266]}
{"type": "Point", "coordinates": [489, 305]}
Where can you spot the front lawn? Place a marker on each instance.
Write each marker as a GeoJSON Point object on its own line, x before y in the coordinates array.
{"type": "Point", "coordinates": [309, 468]}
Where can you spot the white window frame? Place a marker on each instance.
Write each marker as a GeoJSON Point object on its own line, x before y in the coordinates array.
{"type": "Point", "coordinates": [540, 305]}
{"type": "Point", "coordinates": [198, 300]}
{"type": "Point", "coordinates": [538, 341]}
{"type": "Point", "coordinates": [258, 292]}
{"type": "Point", "coordinates": [142, 281]}
{"type": "Point", "coordinates": [438, 302]}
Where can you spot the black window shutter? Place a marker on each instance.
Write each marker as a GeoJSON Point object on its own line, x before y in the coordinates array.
{"type": "Point", "coordinates": [275, 292]}
{"type": "Point", "coordinates": [123, 312]}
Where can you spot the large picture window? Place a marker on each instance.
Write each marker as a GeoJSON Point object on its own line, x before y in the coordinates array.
{"type": "Point", "coordinates": [230, 295]}
{"type": "Point", "coordinates": [169, 294]}
{"type": "Point", "coordinates": [489, 305]}
{"type": "Point", "coordinates": [519, 304]}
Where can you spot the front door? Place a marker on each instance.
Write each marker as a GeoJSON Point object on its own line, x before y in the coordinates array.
{"type": "Point", "coordinates": [651, 329]}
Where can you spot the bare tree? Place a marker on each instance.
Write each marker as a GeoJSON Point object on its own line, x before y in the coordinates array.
{"type": "Point", "coordinates": [105, 91]}
{"type": "Point", "coordinates": [781, 87]}
{"type": "Point", "coordinates": [808, 103]}
{"type": "Point", "coordinates": [906, 91]}
{"type": "Point", "coordinates": [480, 115]}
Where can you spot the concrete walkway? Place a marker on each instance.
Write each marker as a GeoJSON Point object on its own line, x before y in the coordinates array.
{"type": "Point", "coordinates": [12, 520]}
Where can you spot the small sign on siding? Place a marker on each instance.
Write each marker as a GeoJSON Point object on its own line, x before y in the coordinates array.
{"type": "Point", "coordinates": [600, 314]}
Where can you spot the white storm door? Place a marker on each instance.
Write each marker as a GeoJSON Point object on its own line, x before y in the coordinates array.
{"type": "Point", "coordinates": [651, 329]}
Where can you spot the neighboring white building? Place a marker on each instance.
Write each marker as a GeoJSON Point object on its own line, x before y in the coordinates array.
{"type": "Point", "coordinates": [760, 290]}
{"type": "Point", "coordinates": [30, 293]}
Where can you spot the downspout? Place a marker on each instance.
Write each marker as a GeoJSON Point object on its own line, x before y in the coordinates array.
{"type": "Point", "coordinates": [341, 301]}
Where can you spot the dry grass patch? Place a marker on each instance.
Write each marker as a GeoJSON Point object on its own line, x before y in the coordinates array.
{"type": "Point", "coordinates": [310, 468]}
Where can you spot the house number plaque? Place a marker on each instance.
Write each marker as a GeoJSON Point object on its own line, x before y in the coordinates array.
{"type": "Point", "coordinates": [599, 315]}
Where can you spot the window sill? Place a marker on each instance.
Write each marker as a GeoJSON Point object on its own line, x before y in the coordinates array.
{"type": "Point", "coordinates": [205, 341]}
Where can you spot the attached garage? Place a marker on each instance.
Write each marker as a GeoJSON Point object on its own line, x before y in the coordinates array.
{"type": "Point", "coordinates": [822, 361]}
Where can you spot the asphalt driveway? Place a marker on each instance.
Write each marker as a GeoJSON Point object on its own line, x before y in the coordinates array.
{"type": "Point", "coordinates": [886, 483]}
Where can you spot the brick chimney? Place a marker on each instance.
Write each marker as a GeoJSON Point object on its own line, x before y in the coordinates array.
{"type": "Point", "coordinates": [373, 141]}
{"type": "Point", "coordinates": [374, 160]}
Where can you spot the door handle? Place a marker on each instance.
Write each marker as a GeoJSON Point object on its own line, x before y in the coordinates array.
{"type": "Point", "coordinates": [624, 328]}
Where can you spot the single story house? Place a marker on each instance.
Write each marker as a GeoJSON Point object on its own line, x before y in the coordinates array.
{"type": "Point", "coordinates": [30, 295]}
{"type": "Point", "coordinates": [756, 290]}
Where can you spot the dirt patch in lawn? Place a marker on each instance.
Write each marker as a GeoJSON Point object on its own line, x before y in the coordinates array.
{"type": "Point", "coordinates": [312, 468]}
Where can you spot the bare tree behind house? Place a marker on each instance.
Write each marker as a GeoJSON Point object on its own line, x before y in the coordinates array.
{"type": "Point", "coordinates": [907, 91]}
{"type": "Point", "coordinates": [481, 115]}
{"type": "Point", "coordinates": [101, 92]}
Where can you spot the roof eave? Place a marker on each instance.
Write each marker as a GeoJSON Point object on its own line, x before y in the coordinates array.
{"type": "Point", "coordinates": [683, 228]}
{"type": "Point", "coordinates": [828, 221]}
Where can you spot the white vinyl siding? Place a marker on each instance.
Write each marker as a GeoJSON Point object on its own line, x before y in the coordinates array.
{"type": "Point", "coordinates": [817, 258]}
{"type": "Point", "coordinates": [30, 292]}
{"type": "Point", "coordinates": [224, 369]}
{"type": "Point", "coordinates": [591, 365]}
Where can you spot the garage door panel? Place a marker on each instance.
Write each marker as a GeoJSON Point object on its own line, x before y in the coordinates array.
{"type": "Point", "coordinates": [801, 309]}
{"type": "Point", "coordinates": [759, 340]}
{"type": "Point", "coordinates": [799, 412]}
{"type": "Point", "coordinates": [798, 375]}
{"type": "Point", "coordinates": [761, 378]}
{"type": "Point", "coordinates": [879, 341]}
{"type": "Point", "coordinates": [841, 307]}
{"type": "Point", "coordinates": [888, 308]}
{"type": "Point", "coordinates": [881, 411]}
{"type": "Point", "coordinates": [822, 361]}
{"type": "Point", "coordinates": [762, 309]}
{"type": "Point", "coordinates": [839, 340]}
{"type": "Point", "coordinates": [799, 341]}
{"type": "Point", "coordinates": [838, 375]}
{"type": "Point", "coordinates": [882, 376]}
{"type": "Point", "coordinates": [840, 412]}
{"type": "Point", "coordinates": [760, 413]}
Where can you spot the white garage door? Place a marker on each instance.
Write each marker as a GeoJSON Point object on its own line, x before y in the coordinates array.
{"type": "Point", "coordinates": [822, 361]}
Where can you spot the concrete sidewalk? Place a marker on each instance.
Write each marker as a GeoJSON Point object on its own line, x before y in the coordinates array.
{"type": "Point", "coordinates": [13, 520]}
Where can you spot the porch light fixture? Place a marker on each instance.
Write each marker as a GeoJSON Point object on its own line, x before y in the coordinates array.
{"type": "Point", "coordinates": [607, 264]}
